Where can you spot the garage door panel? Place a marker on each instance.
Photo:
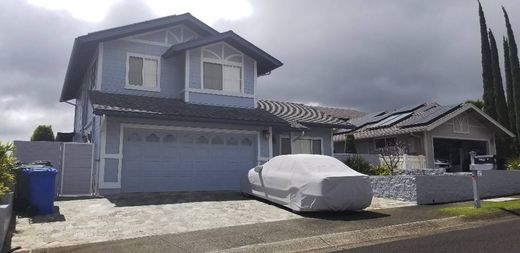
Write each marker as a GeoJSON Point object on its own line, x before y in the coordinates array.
{"type": "Point", "coordinates": [155, 161]}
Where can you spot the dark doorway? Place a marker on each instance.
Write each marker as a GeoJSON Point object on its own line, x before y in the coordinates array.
{"type": "Point", "coordinates": [454, 153]}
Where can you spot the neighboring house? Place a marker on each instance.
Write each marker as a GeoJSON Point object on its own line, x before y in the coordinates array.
{"type": "Point", "coordinates": [443, 134]}
{"type": "Point", "coordinates": [170, 105]}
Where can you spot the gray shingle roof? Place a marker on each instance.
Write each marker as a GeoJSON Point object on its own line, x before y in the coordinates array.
{"type": "Point", "coordinates": [300, 115]}
{"type": "Point", "coordinates": [423, 118]}
{"type": "Point", "coordinates": [341, 113]}
{"type": "Point", "coordinates": [168, 108]}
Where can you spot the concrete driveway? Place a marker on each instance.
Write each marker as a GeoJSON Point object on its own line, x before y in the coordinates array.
{"type": "Point", "coordinates": [82, 221]}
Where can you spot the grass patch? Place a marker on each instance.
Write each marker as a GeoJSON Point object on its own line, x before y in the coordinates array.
{"type": "Point", "coordinates": [487, 208]}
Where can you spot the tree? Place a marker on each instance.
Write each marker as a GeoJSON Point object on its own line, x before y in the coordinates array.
{"type": "Point", "coordinates": [477, 102]}
{"type": "Point", "coordinates": [509, 88]}
{"type": "Point", "coordinates": [7, 164]}
{"type": "Point", "coordinates": [391, 155]}
{"type": "Point", "coordinates": [43, 133]}
{"type": "Point", "coordinates": [350, 144]}
{"type": "Point", "coordinates": [500, 98]}
{"type": "Point", "coordinates": [487, 70]}
{"type": "Point", "coordinates": [515, 70]}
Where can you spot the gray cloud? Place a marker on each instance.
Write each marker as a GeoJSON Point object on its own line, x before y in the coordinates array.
{"type": "Point", "coordinates": [371, 55]}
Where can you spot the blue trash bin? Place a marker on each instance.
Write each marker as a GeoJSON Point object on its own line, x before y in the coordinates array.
{"type": "Point", "coordinates": [42, 184]}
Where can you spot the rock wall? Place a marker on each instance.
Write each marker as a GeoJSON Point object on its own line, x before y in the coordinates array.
{"type": "Point", "coordinates": [394, 187]}
{"type": "Point", "coordinates": [433, 189]}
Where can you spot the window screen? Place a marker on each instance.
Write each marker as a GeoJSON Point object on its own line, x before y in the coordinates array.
{"type": "Point", "coordinates": [285, 146]}
{"type": "Point", "coordinates": [380, 143]}
{"type": "Point", "coordinates": [212, 76]}
{"type": "Point", "coordinates": [316, 147]}
{"type": "Point", "coordinates": [150, 73]}
{"type": "Point", "coordinates": [232, 78]}
{"type": "Point", "coordinates": [135, 71]}
{"type": "Point", "coordinates": [391, 142]}
{"type": "Point", "coordinates": [143, 72]}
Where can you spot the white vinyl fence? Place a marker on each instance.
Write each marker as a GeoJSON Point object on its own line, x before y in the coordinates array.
{"type": "Point", "coordinates": [74, 162]}
{"type": "Point", "coordinates": [406, 161]}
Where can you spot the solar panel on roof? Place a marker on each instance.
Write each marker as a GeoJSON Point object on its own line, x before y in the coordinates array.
{"type": "Point", "coordinates": [431, 115]}
{"type": "Point", "coordinates": [407, 109]}
{"type": "Point", "coordinates": [391, 120]}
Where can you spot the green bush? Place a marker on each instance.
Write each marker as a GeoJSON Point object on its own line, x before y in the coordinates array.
{"type": "Point", "coordinates": [383, 170]}
{"type": "Point", "coordinates": [514, 164]}
{"type": "Point", "coordinates": [7, 164]}
{"type": "Point", "coordinates": [360, 165]}
{"type": "Point", "coordinates": [43, 133]}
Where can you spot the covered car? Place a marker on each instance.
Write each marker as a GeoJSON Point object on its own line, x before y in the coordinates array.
{"type": "Point", "coordinates": [309, 183]}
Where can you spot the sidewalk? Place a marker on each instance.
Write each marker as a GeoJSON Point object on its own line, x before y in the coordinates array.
{"type": "Point", "coordinates": [313, 226]}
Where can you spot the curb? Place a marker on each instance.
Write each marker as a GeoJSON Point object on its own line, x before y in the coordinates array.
{"type": "Point", "coordinates": [351, 237]}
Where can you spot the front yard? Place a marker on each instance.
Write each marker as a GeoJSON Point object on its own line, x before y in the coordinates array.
{"type": "Point", "coordinates": [487, 208]}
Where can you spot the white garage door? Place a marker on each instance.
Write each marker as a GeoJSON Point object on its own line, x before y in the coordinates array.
{"type": "Point", "coordinates": [161, 161]}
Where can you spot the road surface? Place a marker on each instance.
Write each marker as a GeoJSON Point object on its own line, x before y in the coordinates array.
{"type": "Point", "coordinates": [500, 237]}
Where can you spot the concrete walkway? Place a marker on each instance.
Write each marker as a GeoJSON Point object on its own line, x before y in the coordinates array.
{"type": "Point", "coordinates": [139, 215]}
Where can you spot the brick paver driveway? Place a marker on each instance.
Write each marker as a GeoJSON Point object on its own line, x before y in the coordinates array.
{"type": "Point", "coordinates": [135, 215]}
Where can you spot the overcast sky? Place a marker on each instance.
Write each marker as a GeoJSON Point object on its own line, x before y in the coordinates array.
{"type": "Point", "coordinates": [365, 54]}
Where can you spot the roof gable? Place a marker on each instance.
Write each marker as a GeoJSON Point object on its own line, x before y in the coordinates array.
{"type": "Point", "coordinates": [85, 46]}
{"type": "Point", "coordinates": [265, 62]}
{"type": "Point", "coordinates": [423, 118]}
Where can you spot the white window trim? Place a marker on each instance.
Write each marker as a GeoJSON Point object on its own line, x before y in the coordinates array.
{"type": "Point", "coordinates": [136, 87]}
{"type": "Point", "coordinates": [222, 93]}
{"type": "Point", "coordinates": [165, 43]}
{"type": "Point", "coordinates": [222, 62]}
{"type": "Point", "coordinates": [301, 138]}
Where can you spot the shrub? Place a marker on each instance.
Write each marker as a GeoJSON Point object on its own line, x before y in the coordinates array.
{"type": "Point", "coordinates": [360, 165]}
{"type": "Point", "coordinates": [43, 133]}
{"type": "Point", "coordinates": [7, 164]}
{"type": "Point", "coordinates": [514, 164]}
{"type": "Point", "coordinates": [383, 170]}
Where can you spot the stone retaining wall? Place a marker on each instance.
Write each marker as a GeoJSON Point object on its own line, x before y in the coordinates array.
{"type": "Point", "coordinates": [434, 189]}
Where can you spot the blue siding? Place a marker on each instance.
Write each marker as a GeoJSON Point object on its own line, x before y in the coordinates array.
{"type": "Point", "coordinates": [195, 75]}
{"type": "Point", "coordinates": [249, 75]}
{"type": "Point", "coordinates": [212, 99]}
{"type": "Point", "coordinates": [114, 69]}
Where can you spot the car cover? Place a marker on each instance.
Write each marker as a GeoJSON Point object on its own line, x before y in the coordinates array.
{"type": "Point", "coordinates": [310, 183]}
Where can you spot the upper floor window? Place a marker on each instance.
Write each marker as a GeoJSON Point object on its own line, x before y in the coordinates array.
{"type": "Point", "coordinates": [222, 68]}
{"type": "Point", "coordinates": [142, 72]}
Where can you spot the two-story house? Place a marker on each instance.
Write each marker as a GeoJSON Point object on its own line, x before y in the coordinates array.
{"type": "Point", "coordinates": [170, 105]}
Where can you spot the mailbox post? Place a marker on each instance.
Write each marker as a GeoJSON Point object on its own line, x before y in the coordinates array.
{"type": "Point", "coordinates": [478, 164]}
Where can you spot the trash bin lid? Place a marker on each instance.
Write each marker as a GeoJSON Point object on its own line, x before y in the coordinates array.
{"type": "Point", "coordinates": [40, 170]}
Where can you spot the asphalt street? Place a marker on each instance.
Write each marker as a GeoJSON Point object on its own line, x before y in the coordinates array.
{"type": "Point", "coordinates": [500, 237]}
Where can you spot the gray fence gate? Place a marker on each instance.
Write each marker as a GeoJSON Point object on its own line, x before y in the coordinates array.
{"type": "Point", "coordinates": [74, 162]}
{"type": "Point", "coordinates": [77, 169]}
